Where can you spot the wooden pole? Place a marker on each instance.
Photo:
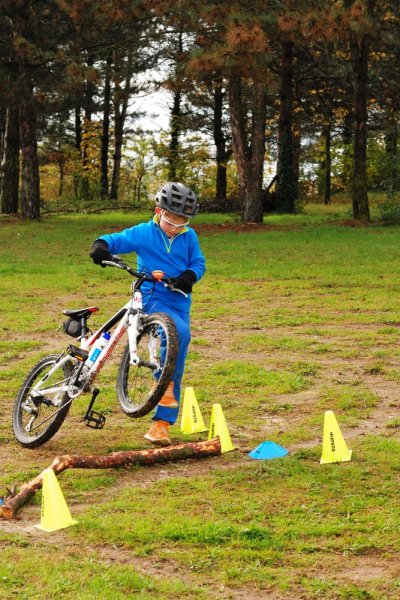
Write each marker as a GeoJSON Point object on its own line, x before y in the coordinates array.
{"type": "Point", "coordinates": [15, 502]}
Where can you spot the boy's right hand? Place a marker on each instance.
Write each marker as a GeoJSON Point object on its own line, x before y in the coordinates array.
{"type": "Point", "coordinates": [100, 252]}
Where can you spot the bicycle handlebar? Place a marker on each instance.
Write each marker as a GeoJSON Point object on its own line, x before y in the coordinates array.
{"type": "Point", "coordinates": [166, 281]}
{"type": "Point", "coordinates": [120, 264]}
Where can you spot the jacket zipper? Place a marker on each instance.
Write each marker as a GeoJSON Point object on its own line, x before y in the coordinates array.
{"type": "Point", "coordinates": [168, 246]}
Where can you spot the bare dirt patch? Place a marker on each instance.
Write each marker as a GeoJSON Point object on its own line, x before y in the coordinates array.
{"type": "Point", "coordinates": [218, 228]}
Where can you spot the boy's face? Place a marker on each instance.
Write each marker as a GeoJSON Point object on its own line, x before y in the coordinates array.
{"type": "Point", "coordinates": [171, 224]}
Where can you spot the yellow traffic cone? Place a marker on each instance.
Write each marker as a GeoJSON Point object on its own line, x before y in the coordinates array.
{"type": "Point", "coordinates": [192, 420]}
{"type": "Point", "coordinates": [55, 512]}
{"type": "Point", "coordinates": [334, 447]}
{"type": "Point", "coordinates": [219, 428]}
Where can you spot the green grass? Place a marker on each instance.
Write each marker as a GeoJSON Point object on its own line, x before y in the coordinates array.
{"type": "Point", "coordinates": [294, 511]}
{"type": "Point", "coordinates": [289, 321]}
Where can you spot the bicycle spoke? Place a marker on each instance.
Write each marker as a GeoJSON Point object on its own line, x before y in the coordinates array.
{"type": "Point", "coordinates": [43, 402]}
{"type": "Point", "coordinates": [51, 416]}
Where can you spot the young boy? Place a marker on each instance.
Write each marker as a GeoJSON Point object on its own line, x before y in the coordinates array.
{"type": "Point", "coordinates": [165, 243]}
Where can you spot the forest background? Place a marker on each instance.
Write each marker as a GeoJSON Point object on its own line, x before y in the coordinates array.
{"type": "Point", "coordinates": [269, 104]}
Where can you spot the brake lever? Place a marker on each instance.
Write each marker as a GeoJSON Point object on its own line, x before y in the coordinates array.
{"type": "Point", "coordinates": [174, 289]}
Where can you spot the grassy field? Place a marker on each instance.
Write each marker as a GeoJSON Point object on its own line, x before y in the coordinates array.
{"type": "Point", "coordinates": [293, 318]}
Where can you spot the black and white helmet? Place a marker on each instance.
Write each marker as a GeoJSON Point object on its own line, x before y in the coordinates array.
{"type": "Point", "coordinates": [177, 199]}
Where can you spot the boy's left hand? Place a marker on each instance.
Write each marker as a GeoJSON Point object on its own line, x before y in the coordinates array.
{"type": "Point", "coordinates": [185, 281]}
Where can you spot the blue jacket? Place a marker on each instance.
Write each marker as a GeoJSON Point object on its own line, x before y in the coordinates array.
{"type": "Point", "coordinates": [156, 251]}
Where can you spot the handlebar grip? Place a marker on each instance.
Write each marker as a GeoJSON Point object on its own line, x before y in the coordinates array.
{"type": "Point", "coordinates": [115, 262]}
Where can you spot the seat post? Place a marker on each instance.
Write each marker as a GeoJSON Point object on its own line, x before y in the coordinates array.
{"type": "Point", "coordinates": [84, 328]}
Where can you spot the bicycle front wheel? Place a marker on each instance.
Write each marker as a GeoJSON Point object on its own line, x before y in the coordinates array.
{"type": "Point", "coordinates": [140, 387]}
{"type": "Point", "coordinates": [42, 402]}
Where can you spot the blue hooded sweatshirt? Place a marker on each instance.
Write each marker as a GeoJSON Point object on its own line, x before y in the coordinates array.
{"type": "Point", "coordinates": [155, 251]}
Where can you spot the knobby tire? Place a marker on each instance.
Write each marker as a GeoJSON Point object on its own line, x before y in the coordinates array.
{"type": "Point", "coordinates": [137, 389]}
{"type": "Point", "coordinates": [32, 439]}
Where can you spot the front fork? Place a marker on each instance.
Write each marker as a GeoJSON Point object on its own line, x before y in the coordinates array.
{"type": "Point", "coordinates": [134, 328]}
{"type": "Point", "coordinates": [134, 318]}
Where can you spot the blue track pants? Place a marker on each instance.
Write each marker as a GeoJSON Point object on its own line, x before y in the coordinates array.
{"type": "Point", "coordinates": [182, 322]}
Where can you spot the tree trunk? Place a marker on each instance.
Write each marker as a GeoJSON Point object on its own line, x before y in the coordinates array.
{"type": "Point", "coordinates": [84, 183]}
{"type": "Point", "coordinates": [118, 140]}
{"type": "Point", "coordinates": [14, 502]}
{"type": "Point", "coordinates": [327, 164]}
{"type": "Point", "coordinates": [176, 117]}
{"type": "Point", "coordinates": [285, 187]}
{"type": "Point", "coordinates": [348, 128]}
{"type": "Point", "coordinates": [391, 143]}
{"type": "Point", "coordinates": [359, 57]}
{"type": "Point", "coordinates": [347, 149]}
{"type": "Point", "coordinates": [78, 146]}
{"type": "Point", "coordinates": [121, 97]}
{"type": "Point", "coordinates": [139, 188]}
{"type": "Point", "coordinates": [2, 130]}
{"type": "Point", "coordinates": [30, 186]}
{"type": "Point", "coordinates": [220, 144]}
{"type": "Point", "coordinates": [296, 158]}
{"type": "Point", "coordinates": [78, 129]}
{"type": "Point", "coordinates": [105, 137]}
{"type": "Point", "coordinates": [175, 129]}
{"type": "Point", "coordinates": [249, 155]}
{"type": "Point", "coordinates": [10, 162]}
{"type": "Point", "coordinates": [61, 163]}
{"type": "Point", "coordinates": [88, 102]}
{"type": "Point", "coordinates": [221, 180]}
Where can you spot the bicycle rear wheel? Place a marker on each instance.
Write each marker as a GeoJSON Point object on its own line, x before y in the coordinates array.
{"type": "Point", "coordinates": [39, 414]}
{"type": "Point", "coordinates": [141, 387]}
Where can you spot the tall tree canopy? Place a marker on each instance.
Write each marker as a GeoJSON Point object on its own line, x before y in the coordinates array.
{"type": "Point", "coordinates": [275, 74]}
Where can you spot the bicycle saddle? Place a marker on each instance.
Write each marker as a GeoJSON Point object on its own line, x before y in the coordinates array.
{"type": "Point", "coordinates": [80, 312]}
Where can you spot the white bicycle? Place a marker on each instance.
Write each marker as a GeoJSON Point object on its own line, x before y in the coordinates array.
{"type": "Point", "coordinates": [144, 372]}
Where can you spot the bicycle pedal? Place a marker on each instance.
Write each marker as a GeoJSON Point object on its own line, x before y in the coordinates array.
{"type": "Point", "coordinates": [95, 420]}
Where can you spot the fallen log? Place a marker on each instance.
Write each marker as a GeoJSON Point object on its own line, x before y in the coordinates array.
{"type": "Point", "coordinates": [14, 503]}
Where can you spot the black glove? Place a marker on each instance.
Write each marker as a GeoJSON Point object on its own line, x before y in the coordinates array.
{"type": "Point", "coordinates": [185, 281]}
{"type": "Point", "coordinates": [100, 252]}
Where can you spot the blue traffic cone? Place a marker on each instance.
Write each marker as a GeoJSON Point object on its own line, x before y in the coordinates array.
{"type": "Point", "coordinates": [268, 450]}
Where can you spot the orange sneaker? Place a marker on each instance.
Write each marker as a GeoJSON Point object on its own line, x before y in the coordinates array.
{"type": "Point", "coordinates": [158, 434]}
{"type": "Point", "coordinates": [169, 400]}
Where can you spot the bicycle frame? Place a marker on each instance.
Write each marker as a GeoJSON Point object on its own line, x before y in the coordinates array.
{"type": "Point", "coordinates": [128, 318]}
